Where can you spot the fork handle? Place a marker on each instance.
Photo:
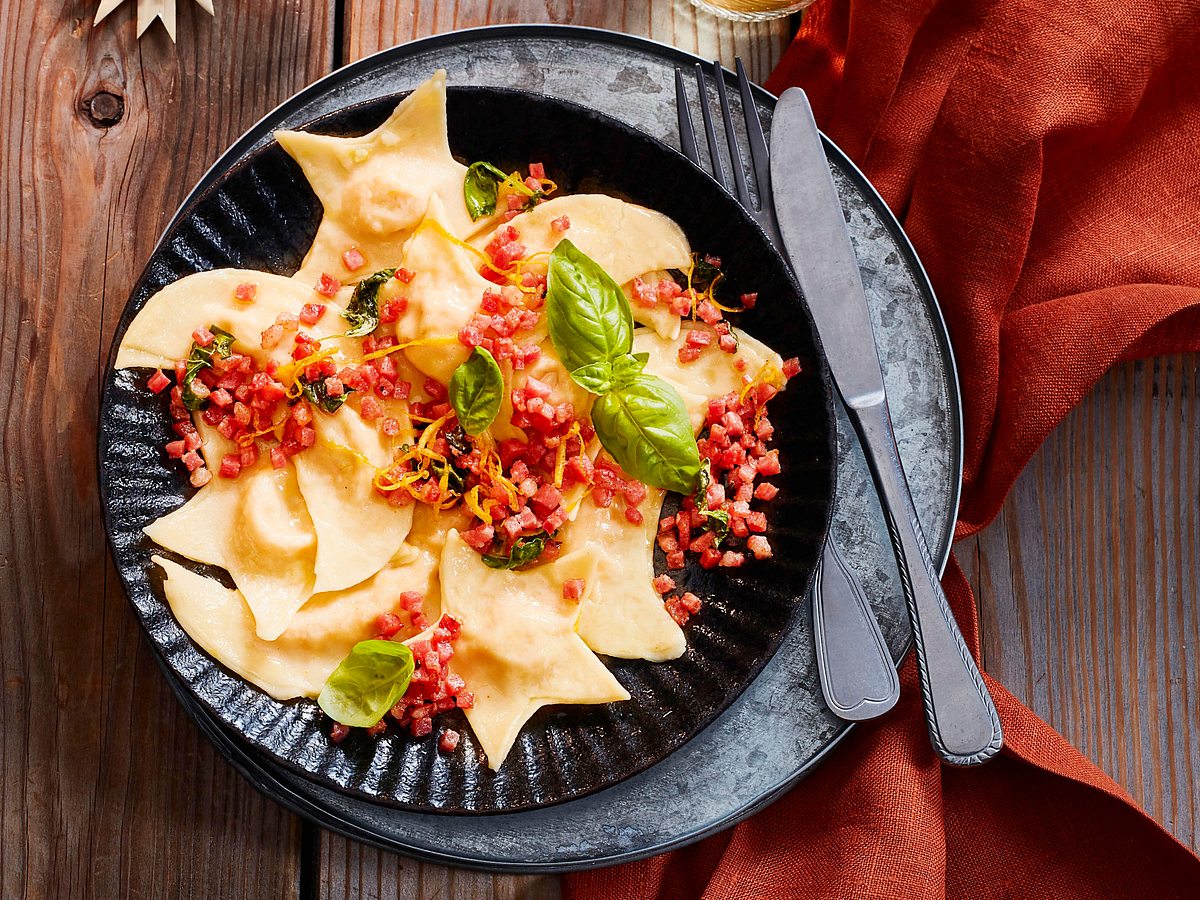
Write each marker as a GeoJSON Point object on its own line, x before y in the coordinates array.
{"type": "Point", "coordinates": [858, 677]}
{"type": "Point", "coordinates": [964, 727]}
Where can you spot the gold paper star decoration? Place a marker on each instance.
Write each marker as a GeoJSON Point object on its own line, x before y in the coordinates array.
{"type": "Point", "coordinates": [148, 11]}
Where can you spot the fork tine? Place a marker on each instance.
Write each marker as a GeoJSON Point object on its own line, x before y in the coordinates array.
{"type": "Point", "coordinates": [687, 134]}
{"type": "Point", "coordinates": [718, 167]}
{"type": "Point", "coordinates": [759, 154]}
{"type": "Point", "coordinates": [735, 153]}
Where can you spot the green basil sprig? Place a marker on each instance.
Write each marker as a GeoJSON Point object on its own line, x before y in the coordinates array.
{"type": "Point", "coordinates": [640, 419]}
{"type": "Point", "coordinates": [479, 188]}
{"type": "Point", "coordinates": [524, 551]}
{"type": "Point", "coordinates": [363, 311]}
{"type": "Point", "coordinates": [367, 683]}
{"type": "Point", "coordinates": [589, 317]}
{"type": "Point", "coordinates": [645, 426]}
{"type": "Point", "coordinates": [476, 389]}
{"type": "Point", "coordinates": [201, 358]}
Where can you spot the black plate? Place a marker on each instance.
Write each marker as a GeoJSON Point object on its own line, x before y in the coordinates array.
{"type": "Point", "coordinates": [262, 215]}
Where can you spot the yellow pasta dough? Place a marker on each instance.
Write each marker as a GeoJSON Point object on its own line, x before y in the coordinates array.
{"type": "Point", "coordinates": [518, 649]}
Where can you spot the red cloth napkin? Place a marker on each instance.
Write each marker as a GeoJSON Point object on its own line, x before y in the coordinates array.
{"type": "Point", "coordinates": [1044, 157]}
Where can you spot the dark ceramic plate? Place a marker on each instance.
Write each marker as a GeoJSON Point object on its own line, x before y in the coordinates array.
{"type": "Point", "coordinates": [262, 215]}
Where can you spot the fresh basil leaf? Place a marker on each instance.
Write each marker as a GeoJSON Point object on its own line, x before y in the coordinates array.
{"type": "Point", "coordinates": [524, 551]}
{"type": "Point", "coordinates": [476, 389]}
{"type": "Point", "coordinates": [367, 683]}
{"type": "Point", "coordinates": [589, 317]}
{"type": "Point", "coordinates": [201, 358]}
{"type": "Point", "coordinates": [317, 394]}
{"type": "Point", "coordinates": [596, 377]}
{"type": "Point", "coordinates": [479, 188]}
{"type": "Point", "coordinates": [363, 310]}
{"type": "Point", "coordinates": [718, 522]}
{"type": "Point", "coordinates": [628, 367]}
{"type": "Point", "coordinates": [646, 429]}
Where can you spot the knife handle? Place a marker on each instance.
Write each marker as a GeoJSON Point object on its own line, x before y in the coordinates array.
{"type": "Point", "coordinates": [964, 726]}
{"type": "Point", "coordinates": [858, 677]}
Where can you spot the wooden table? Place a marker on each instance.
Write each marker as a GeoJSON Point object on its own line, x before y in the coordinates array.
{"type": "Point", "coordinates": [1087, 582]}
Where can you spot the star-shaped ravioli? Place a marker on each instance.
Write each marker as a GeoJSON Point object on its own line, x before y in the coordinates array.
{"type": "Point", "coordinates": [518, 650]}
{"type": "Point", "coordinates": [376, 188]}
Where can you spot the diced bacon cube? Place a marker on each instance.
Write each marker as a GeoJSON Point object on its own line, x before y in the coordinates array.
{"type": "Point", "coordinates": [766, 491]}
{"type": "Point", "coordinates": [708, 312]}
{"type": "Point", "coordinates": [307, 436]}
{"type": "Point", "coordinates": [633, 515]}
{"type": "Point", "coordinates": [192, 460]}
{"type": "Point", "coordinates": [480, 537]}
{"type": "Point", "coordinates": [328, 286]}
{"type": "Point", "coordinates": [791, 367]}
{"type": "Point", "coordinates": [560, 225]}
{"type": "Point", "coordinates": [352, 259]}
{"type": "Point", "coordinates": [681, 305]}
{"type": "Point", "coordinates": [733, 424]}
{"type": "Point", "coordinates": [664, 583]}
{"type": "Point", "coordinates": [158, 382]}
{"type": "Point", "coordinates": [248, 455]}
{"type": "Point", "coordinates": [203, 337]}
{"type": "Point", "coordinates": [749, 300]}
{"type": "Point", "coordinates": [200, 477]}
{"type": "Point", "coordinates": [221, 397]}
{"type": "Point", "coordinates": [688, 354]}
{"type": "Point", "coordinates": [387, 624]}
{"type": "Point", "coordinates": [448, 742]}
{"type": "Point", "coordinates": [338, 733]}
{"type": "Point", "coordinates": [246, 292]}
{"type": "Point", "coordinates": [690, 602]}
{"type": "Point", "coordinates": [287, 321]}
{"type": "Point", "coordinates": [537, 170]}
{"type": "Point", "coordinates": [191, 441]}
{"type": "Point", "coordinates": [756, 522]}
{"type": "Point", "coordinates": [370, 408]}
{"type": "Point", "coordinates": [175, 449]}
{"type": "Point", "coordinates": [644, 294]}
{"type": "Point", "coordinates": [405, 276]}
{"type": "Point", "coordinates": [231, 465]}
{"type": "Point", "coordinates": [698, 337]}
{"type": "Point", "coordinates": [272, 336]}
{"type": "Point", "coordinates": [278, 458]}
{"type": "Point", "coordinates": [732, 559]}
{"type": "Point", "coordinates": [769, 464]}
{"type": "Point", "coordinates": [675, 560]}
{"type": "Point", "coordinates": [759, 546]}
{"type": "Point", "coordinates": [710, 558]}
{"type": "Point", "coordinates": [392, 309]}
{"type": "Point", "coordinates": [546, 500]}
{"type": "Point", "coordinates": [573, 588]}
{"type": "Point", "coordinates": [727, 343]}
{"type": "Point", "coordinates": [310, 313]}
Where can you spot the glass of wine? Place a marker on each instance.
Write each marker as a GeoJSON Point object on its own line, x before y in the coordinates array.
{"type": "Point", "coordinates": [752, 10]}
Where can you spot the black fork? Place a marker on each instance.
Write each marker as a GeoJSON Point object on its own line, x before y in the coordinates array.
{"type": "Point", "coordinates": [858, 677]}
{"type": "Point", "coordinates": [760, 160]}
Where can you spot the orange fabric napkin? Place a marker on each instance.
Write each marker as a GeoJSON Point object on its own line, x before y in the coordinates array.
{"type": "Point", "coordinates": [1044, 157]}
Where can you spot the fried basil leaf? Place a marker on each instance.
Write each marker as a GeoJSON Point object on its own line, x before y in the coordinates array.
{"type": "Point", "coordinates": [479, 188]}
{"type": "Point", "coordinates": [363, 311]}
{"type": "Point", "coordinates": [524, 551]}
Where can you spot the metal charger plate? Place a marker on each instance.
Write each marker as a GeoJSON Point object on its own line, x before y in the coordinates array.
{"type": "Point", "coordinates": [780, 728]}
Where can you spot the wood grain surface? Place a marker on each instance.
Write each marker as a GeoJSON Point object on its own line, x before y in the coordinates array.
{"type": "Point", "coordinates": [1087, 582]}
{"type": "Point", "coordinates": [109, 791]}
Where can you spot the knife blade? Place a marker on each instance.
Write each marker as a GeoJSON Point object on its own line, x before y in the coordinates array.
{"type": "Point", "coordinates": [963, 725]}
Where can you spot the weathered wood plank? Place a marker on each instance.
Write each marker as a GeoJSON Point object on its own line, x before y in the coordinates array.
{"type": "Point", "coordinates": [1089, 584]}
{"type": "Point", "coordinates": [108, 789]}
{"type": "Point", "coordinates": [349, 869]}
